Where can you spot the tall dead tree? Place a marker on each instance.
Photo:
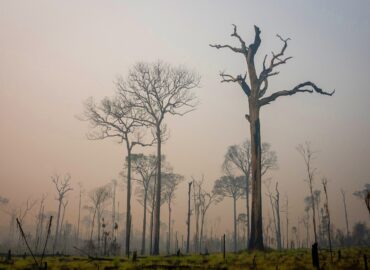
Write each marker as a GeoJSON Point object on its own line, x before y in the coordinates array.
{"type": "Point", "coordinates": [345, 211]}
{"type": "Point", "coordinates": [116, 118]}
{"type": "Point", "coordinates": [326, 206]}
{"type": "Point", "coordinates": [275, 207]}
{"type": "Point", "coordinates": [308, 155]}
{"type": "Point", "coordinates": [63, 186]}
{"type": "Point", "coordinates": [158, 90]}
{"type": "Point", "coordinates": [255, 89]}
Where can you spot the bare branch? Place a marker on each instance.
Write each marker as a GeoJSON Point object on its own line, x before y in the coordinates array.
{"type": "Point", "coordinates": [300, 88]}
{"type": "Point", "coordinates": [241, 80]}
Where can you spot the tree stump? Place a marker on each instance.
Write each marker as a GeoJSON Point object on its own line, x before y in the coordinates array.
{"type": "Point", "coordinates": [315, 256]}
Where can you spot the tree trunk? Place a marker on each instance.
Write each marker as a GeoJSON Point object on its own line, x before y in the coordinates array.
{"type": "Point", "coordinates": [57, 227]}
{"type": "Point", "coordinates": [169, 227]}
{"type": "Point", "coordinates": [256, 237]}
{"type": "Point", "coordinates": [247, 204]}
{"type": "Point", "coordinates": [201, 232]}
{"type": "Point", "coordinates": [158, 195]}
{"type": "Point", "coordinates": [128, 210]}
{"type": "Point", "coordinates": [345, 211]}
{"type": "Point", "coordinates": [235, 244]}
{"type": "Point", "coordinates": [152, 218]}
{"type": "Point", "coordinates": [313, 212]}
{"type": "Point", "coordinates": [188, 221]}
{"type": "Point", "coordinates": [79, 219]}
{"type": "Point", "coordinates": [144, 223]}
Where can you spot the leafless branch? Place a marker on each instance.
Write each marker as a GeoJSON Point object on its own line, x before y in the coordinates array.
{"type": "Point", "coordinates": [308, 87]}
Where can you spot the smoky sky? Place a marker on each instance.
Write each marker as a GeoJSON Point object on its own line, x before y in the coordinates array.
{"type": "Point", "coordinates": [54, 55]}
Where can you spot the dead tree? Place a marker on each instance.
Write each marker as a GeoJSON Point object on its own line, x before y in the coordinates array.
{"type": "Point", "coordinates": [98, 197]}
{"type": "Point", "coordinates": [39, 222]}
{"type": "Point", "coordinates": [308, 156]}
{"type": "Point", "coordinates": [206, 200]}
{"type": "Point", "coordinates": [116, 118]}
{"type": "Point", "coordinates": [239, 157]}
{"type": "Point", "coordinates": [188, 220]}
{"type": "Point", "coordinates": [255, 90]}
{"type": "Point", "coordinates": [79, 213]}
{"type": "Point", "coordinates": [197, 191]}
{"type": "Point", "coordinates": [326, 206]}
{"type": "Point", "coordinates": [64, 204]}
{"type": "Point", "coordinates": [158, 90]}
{"type": "Point", "coordinates": [275, 207]}
{"type": "Point", "coordinates": [63, 186]}
{"type": "Point", "coordinates": [364, 195]}
{"type": "Point", "coordinates": [171, 182]}
{"type": "Point", "coordinates": [232, 187]}
{"type": "Point", "coordinates": [345, 211]}
{"type": "Point", "coordinates": [144, 167]}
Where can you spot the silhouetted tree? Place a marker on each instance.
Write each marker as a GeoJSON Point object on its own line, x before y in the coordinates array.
{"type": "Point", "coordinates": [256, 90]}
{"type": "Point", "coordinates": [62, 186]}
{"type": "Point", "coordinates": [232, 187]}
{"type": "Point", "coordinates": [144, 167]}
{"type": "Point", "coordinates": [308, 155]}
{"type": "Point", "coordinates": [116, 118]}
{"type": "Point", "coordinates": [239, 157]}
{"type": "Point", "coordinates": [171, 181]}
{"type": "Point", "coordinates": [364, 195]}
{"type": "Point", "coordinates": [158, 90]}
{"type": "Point", "coordinates": [345, 210]}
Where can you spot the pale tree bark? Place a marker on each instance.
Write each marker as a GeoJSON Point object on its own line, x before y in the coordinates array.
{"type": "Point", "coordinates": [255, 90]}
{"type": "Point", "coordinates": [158, 90]}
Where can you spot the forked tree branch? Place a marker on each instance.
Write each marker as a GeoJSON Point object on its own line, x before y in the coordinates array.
{"type": "Point", "coordinates": [239, 79]}
{"type": "Point", "coordinates": [302, 87]}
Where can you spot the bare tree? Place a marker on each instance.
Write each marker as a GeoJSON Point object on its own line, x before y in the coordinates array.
{"type": "Point", "coordinates": [308, 155]}
{"type": "Point", "coordinates": [171, 181]}
{"type": "Point", "coordinates": [275, 207]}
{"type": "Point", "coordinates": [188, 220]}
{"type": "Point", "coordinates": [239, 157]}
{"type": "Point", "coordinates": [39, 222]}
{"type": "Point", "coordinates": [79, 213]}
{"type": "Point", "coordinates": [324, 182]}
{"type": "Point", "coordinates": [232, 187]}
{"type": "Point", "coordinates": [255, 90]}
{"type": "Point", "coordinates": [345, 211]}
{"type": "Point", "coordinates": [158, 90]}
{"type": "Point", "coordinates": [116, 118]}
{"type": "Point", "coordinates": [64, 204]}
{"type": "Point", "coordinates": [63, 186]}
{"type": "Point", "coordinates": [364, 195]}
{"type": "Point", "coordinates": [98, 198]}
{"type": "Point", "coordinates": [206, 200]}
{"type": "Point", "coordinates": [144, 167]}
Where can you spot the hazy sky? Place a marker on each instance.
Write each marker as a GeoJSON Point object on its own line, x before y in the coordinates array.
{"type": "Point", "coordinates": [55, 54]}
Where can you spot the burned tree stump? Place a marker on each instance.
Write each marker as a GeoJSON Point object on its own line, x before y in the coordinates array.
{"type": "Point", "coordinates": [365, 262]}
{"type": "Point", "coordinates": [315, 256]}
